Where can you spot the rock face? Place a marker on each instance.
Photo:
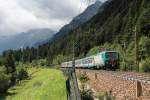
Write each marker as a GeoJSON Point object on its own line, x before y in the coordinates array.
{"type": "Point", "coordinates": [121, 89]}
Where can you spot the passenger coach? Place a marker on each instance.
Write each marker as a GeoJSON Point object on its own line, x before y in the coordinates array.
{"type": "Point", "coordinates": [102, 60]}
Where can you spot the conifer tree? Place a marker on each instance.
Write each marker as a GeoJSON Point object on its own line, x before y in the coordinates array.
{"type": "Point", "coordinates": [9, 62]}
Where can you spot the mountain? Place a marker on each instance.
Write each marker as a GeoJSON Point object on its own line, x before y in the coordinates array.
{"type": "Point", "coordinates": [113, 27]}
{"type": "Point", "coordinates": [79, 20]}
{"type": "Point", "coordinates": [115, 23]}
{"type": "Point", "coordinates": [30, 38]}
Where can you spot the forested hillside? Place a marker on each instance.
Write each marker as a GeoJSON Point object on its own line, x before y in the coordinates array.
{"type": "Point", "coordinates": [113, 25]}
{"type": "Point", "coordinates": [113, 28]}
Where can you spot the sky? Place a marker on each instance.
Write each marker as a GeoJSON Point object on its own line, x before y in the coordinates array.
{"type": "Point", "coordinates": [18, 16]}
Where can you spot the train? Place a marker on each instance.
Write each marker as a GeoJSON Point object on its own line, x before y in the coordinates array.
{"type": "Point", "coordinates": [102, 60]}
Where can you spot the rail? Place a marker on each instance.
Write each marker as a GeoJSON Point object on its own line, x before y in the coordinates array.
{"type": "Point", "coordinates": [141, 77]}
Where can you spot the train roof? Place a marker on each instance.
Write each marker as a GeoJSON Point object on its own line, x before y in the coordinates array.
{"type": "Point", "coordinates": [102, 52]}
{"type": "Point", "coordinates": [109, 51]}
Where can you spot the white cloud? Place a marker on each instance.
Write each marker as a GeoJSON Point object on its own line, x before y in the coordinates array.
{"type": "Point", "coordinates": [22, 15]}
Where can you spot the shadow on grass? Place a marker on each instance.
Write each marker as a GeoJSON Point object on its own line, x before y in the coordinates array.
{"type": "Point", "coordinates": [4, 95]}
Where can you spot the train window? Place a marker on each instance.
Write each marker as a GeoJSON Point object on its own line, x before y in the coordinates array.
{"type": "Point", "coordinates": [90, 60]}
{"type": "Point", "coordinates": [84, 61]}
{"type": "Point", "coordinates": [112, 55]}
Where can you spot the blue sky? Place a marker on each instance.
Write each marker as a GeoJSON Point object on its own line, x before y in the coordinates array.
{"type": "Point", "coordinates": [22, 15]}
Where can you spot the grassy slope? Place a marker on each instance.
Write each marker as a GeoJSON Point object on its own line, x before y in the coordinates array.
{"type": "Point", "coordinates": [46, 84]}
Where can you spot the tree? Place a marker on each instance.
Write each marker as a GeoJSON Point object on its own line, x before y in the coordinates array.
{"type": "Point", "coordinates": [9, 62]}
{"type": "Point", "coordinates": [58, 59]}
{"type": "Point", "coordinates": [4, 80]}
{"type": "Point", "coordinates": [144, 47]}
{"type": "Point", "coordinates": [1, 61]}
{"type": "Point", "coordinates": [93, 51]}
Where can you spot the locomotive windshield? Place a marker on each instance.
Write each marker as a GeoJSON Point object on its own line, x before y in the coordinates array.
{"type": "Point", "coordinates": [112, 55]}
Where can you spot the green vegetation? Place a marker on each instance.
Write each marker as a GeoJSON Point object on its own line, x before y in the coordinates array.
{"type": "Point", "coordinates": [104, 95]}
{"type": "Point", "coordinates": [39, 63]}
{"type": "Point", "coordinates": [58, 59]}
{"type": "Point", "coordinates": [145, 65]}
{"type": "Point", "coordinates": [9, 62]}
{"type": "Point", "coordinates": [11, 73]}
{"type": "Point", "coordinates": [86, 94]}
{"type": "Point", "coordinates": [112, 29]}
{"type": "Point", "coordinates": [4, 80]}
{"type": "Point", "coordinates": [44, 84]}
{"type": "Point", "coordinates": [101, 95]}
{"type": "Point", "coordinates": [83, 78]}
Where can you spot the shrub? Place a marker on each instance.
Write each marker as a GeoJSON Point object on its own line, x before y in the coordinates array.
{"type": "Point", "coordinates": [13, 78]}
{"type": "Point", "coordinates": [122, 66]}
{"type": "Point", "coordinates": [86, 94]}
{"type": "Point", "coordinates": [22, 74]}
{"type": "Point", "coordinates": [4, 82]}
{"type": "Point", "coordinates": [34, 63]}
{"type": "Point", "coordinates": [144, 65]}
{"type": "Point", "coordinates": [144, 47]}
{"type": "Point", "coordinates": [3, 69]}
{"type": "Point", "coordinates": [58, 59]}
{"type": "Point", "coordinates": [105, 96]}
{"type": "Point", "coordinates": [83, 78]}
{"type": "Point", "coordinates": [40, 62]}
{"type": "Point", "coordinates": [101, 95]}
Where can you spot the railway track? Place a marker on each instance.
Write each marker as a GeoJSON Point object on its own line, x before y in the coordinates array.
{"type": "Point", "coordinates": [124, 85]}
{"type": "Point", "coordinates": [141, 77]}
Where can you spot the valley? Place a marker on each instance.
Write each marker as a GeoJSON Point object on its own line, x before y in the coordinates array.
{"type": "Point", "coordinates": [102, 53]}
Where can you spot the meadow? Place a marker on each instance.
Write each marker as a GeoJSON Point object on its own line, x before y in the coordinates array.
{"type": "Point", "coordinates": [44, 84]}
